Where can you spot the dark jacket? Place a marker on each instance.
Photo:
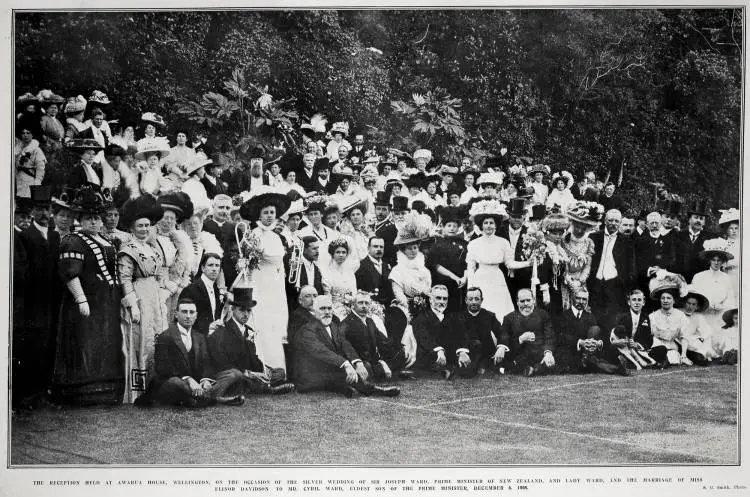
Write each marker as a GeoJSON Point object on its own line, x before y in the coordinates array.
{"type": "Point", "coordinates": [228, 349]}
{"type": "Point", "coordinates": [318, 357]}
{"type": "Point", "coordinates": [686, 253]}
{"type": "Point", "coordinates": [516, 324]}
{"type": "Point", "coordinates": [172, 359]}
{"type": "Point", "coordinates": [370, 280]}
{"type": "Point", "coordinates": [481, 327]}
{"type": "Point", "coordinates": [643, 332]}
{"type": "Point", "coordinates": [362, 337]}
{"type": "Point", "coordinates": [622, 253]}
{"type": "Point", "coordinates": [198, 293]}
{"type": "Point", "coordinates": [431, 333]}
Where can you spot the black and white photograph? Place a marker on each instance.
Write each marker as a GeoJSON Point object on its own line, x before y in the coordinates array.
{"type": "Point", "coordinates": [375, 237]}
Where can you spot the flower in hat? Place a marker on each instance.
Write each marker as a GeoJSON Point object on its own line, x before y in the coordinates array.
{"type": "Point", "coordinates": [729, 216]}
{"type": "Point", "coordinates": [98, 97]}
{"type": "Point", "coordinates": [667, 281]}
{"type": "Point", "coordinates": [48, 97]}
{"type": "Point", "coordinates": [340, 127]}
{"type": "Point", "coordinates": [716, 247]}
{"type": "Point", "coordinates": [153, 118]}
{"type": "Point", "coordinates": [414, 229]}
{"type": "Point", "coordinates": [588, 213]}
{"type": "Point", "coordinates": [75, 105]}
{"type": "Point", "coordinates": [484, 209]}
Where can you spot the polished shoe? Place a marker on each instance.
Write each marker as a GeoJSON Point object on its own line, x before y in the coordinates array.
{"type": "Point", "coordinates": [237, 400]}
{"type": "Point", "coordinates": [281, 389]}
{"type": "Point", "coordinates": [386, 391]}
{"type": "Point", "coordinates": [407, 374]}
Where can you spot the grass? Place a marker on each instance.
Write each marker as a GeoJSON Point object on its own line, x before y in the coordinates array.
{"type": "Point", "coordinates": [677, 416]}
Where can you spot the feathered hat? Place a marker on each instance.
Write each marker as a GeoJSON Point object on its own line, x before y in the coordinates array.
{"type": "Point", "coordinates": [75, 105]}
{"type": "Point", "coordinates": [664, 281]}
{"type": "Point", "coordinates": [156, 145]}
{"type": "Point", "coordinates": [145, 206]}
{"type": "Point", "coordinates": [539, 168]}
{"type": "Point", "coordinates": [587, 213]}
{"type": "Point", "coordinates": [729, 216]}
{"type": "Point", "coordinates": [555, 222]}
{"type": "Point", "coordinates": [716, 247]}
{"type": "Point", "coordinates": [90, 199]}
{"type": "Point", "coordinates": [177, 202]}
{"type": "Point", "coordinates": [99, 98]}
{"type": "Point", "coordinates": [563, 176]}
{"type": "Point", "coordinates": [340, 127]}
{"type": "Point", "coordinates": [422, 153]}
{"type": "Point", "coordinates": [47, 98]}
{"type": "Point", "coordinates": [153, 118]}
{"type": "Point", "coordinates": [415, 228]}
{"type": "Point", "coordinates": [484, 209]}
{"type": "Point", "coordinates": [491, 179]}
{"type": "Point", "coordinates": [317, 124]}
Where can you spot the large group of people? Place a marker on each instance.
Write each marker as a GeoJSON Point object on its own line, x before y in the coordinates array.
{"type": "Point", "coordinates": [150, 273]}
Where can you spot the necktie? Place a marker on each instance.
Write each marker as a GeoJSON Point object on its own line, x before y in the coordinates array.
{"type": "Point", "coordinates": [247, 333]}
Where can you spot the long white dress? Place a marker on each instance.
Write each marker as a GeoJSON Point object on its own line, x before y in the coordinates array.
{"type": "Point", "coordinates": [732, 266]}
{"type": "Point", "coordinates": [717, 287]}
{"type": "Point", "coordinates": [488, 252]}
{"type": "Point", "coordinates": [270, 316]}
{"type": "Point", "coordinates": [339, 282]}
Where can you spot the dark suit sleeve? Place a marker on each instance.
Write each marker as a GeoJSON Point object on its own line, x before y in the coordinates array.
{"type": "Point", "coordinates": [164, 352]}
{"type": "Point", "coordinates": [220, 360]}
{"type": "Point", "coordinates": [423, 334]}
{"type": "Point", "coordinates": [550, 340]}
{"type": "Point", "coordinates": [309, 343]}
{"type": "Point", "coordinates": [501, 332]}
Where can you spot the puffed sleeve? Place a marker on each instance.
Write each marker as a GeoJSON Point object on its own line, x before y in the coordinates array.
{"type": "Point", "coordinates": [70, 261]}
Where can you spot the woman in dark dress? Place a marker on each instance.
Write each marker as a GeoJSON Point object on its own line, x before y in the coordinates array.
{"type": "Point", "coordinates": [88, 360]}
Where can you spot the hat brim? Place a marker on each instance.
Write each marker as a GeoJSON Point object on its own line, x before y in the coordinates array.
{"type": "Point", "coordinates": [727, 316]}
{"type": "Point", "coordinates": [142, 154]}
{"type": "Point", "coordinates": [710, 254]}
{"type": "Point", "coordinates": [247, 304]}
{"type": "Point", "coordinates": [250, 210]}
{"type": "Point", "coordinates": [702, 300]}
{"type": "Point", "coordinates": [580, 220]}
{"type": "Point", "coordinates": [480, 218]}
{"type": "Point", "coordinates": [406, 241]}
{"type": "Point", "coordinates": [81, 148]}
{"type": "Point", "coordinates": [194, 167]}
{"type": "Point", "coordinates": [655, 294]}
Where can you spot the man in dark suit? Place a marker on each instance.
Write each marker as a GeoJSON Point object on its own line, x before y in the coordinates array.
{"type": "Point", "coordinates": [612, 270]}
{"type": "Point", "coordinates": [609, 200]}
{"type": "Point", "coordinates": [381, 356]}
{"type": "Point", "coordinates": [386, 228]}
{"type": "Point", "coordinates": [481, 326]}
{"type": "Point", "coordinates": [325, 360]}
{"type": "Point", "coordinates": [513, 232]}
{"type": "Point", "coordinates": [205, 292]}
{"type": "Point", "coordinates": [358, 147]}
{"type": "Point", "coordinates": [307, 177]}
{"type": "Point", "coordinates": [231, 348]}
{"type": "Point", "coordinates": [636, 321]}
{"type": "Point", "coordinates": [531, 337]}
{"type": "Point", "coordinates": [183, 371]}
{"type": "Point", "coordinates": [689, 242]}
{"type": "Point", "coordinates": [373, 271]}
{"type": "Point", "coordinates": [323, 182]}
{"type": "Point", "coordinates": [580, 346]}
{"type": "Point", "coordinates": [221, 226]}
{"type": "Point", "coordinates": [653, 251]}
{"type": "Point", "coordinates": [442, 342]}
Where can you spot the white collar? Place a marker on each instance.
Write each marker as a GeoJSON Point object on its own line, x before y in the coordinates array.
{"type": "Point", "coordinates": [473, 313]}
{"type": "Point", "coordinates": [363, 319]}
{"type": "Point", "coordinates": [375, 261]}
{"type": "Point", "coordinates": [183, 331]}
{"type": "Point", "coordinates": [41, 228]}
{"type": "Point", "coordinates": [239, 325]}
{"type": "Point", "coordinates": [209, 284]}
{"type": "Point", "coordinates": [613, 235]}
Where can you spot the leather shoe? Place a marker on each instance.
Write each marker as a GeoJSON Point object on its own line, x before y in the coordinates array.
{"type": "Point", "coordinates": [447, 374]}
{"type": "Point", "coordinates": [407, 374]}
{"type": "Point", "coordinates": [281, 389]}
{"type": "Point", "coordinates": [237, 400]}
{"type": "Point", "coordinates": [386, 391]}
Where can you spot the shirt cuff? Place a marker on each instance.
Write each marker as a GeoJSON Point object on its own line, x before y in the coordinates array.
{"type": "Point", "coordinates": [438, 349]}
{"type": "Point", "coordinates": [187, 378]}
{"type": "Point", "coordinates": [458, 351]}
{"type": "Point", "coordinates": [505, 347]}
{"type": "Point", "coordinates": [355, 361]}
{"type": "Point", "coordinates": [343, 364]}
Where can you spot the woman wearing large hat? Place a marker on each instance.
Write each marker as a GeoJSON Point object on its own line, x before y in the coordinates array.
{"type": "Point", "coordinates": [486, 253]}
{"type": "Point", "coordinates": [339, 132]}
{"type": "Point", "coordinates": [715, 284]}
{"type": "Point", "coordinates": [538, 173]}
{"type": "Point", "coordinates": [698, 335]}
{"type": "Point", "coordinates": [410, 279]}
{"type": "Point", "coordinates": [140, 262]}
{"type": "Point", "coordinates": [668, 325]}
{"type": "Point", "coordinates": [193, 186]}
{"type": "Point", "coordinates": [447, 257]}
{"type": "Point", "coordinates": [270, 315]}
{"type": "Point", "coordinates": [585, 217]}
{"type": "Point", "coordinates": [53, 130]}
{"type": "Point", "coordinates": [87, 170]}
{"type": "Point", "coordinates": [729, 222]}
{"type": "Point", "coordinates": [175, 245]}
{"type": "Point", "coordinates": [74, 110]}
{"type": "Point", "coordinates": [88, 355]}
{"type": "Point", "coordinates": [561, 197]}
{"type": "Point", "coordinates": [151, 124]}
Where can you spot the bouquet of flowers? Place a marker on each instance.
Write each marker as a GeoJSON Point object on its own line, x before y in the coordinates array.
{"type": "Point", "coordinates": [534, 245]}
{"type": "Point", "coordinates": [250, 249]}
{"type": "Point", "coordinates": [518, 171]}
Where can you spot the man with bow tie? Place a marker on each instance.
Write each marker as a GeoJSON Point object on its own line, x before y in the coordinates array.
{"type": "Point", "coordinates": [231, 347]}
{"type": "Point", "coordinates": [205, 292]}
{"type": "Point", "coordinates": [373, 271]}
{"type": "Point", "coordinates": [325, 360]}
{"type": "Point", "coordinates": [184, 375]}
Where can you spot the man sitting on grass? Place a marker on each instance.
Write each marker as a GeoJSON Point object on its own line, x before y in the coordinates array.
{"type": "Point", "coordinates": [183, 374]}
{"type": "Point", "coordinates": [531, 337]}
{"type": "Point", "coordinates": [325, 360]}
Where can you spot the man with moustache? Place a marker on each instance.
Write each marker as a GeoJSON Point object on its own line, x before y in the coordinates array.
{"type": "Point", "coordinates": [388, 229]}
{"type": "Point", "coordinates": [221, 226]}
{"type": "Point", "coordinates": [689, 242]}
{"type": "Point", "coordinates": [482, 330]}
{"type": "Point", "coordinates": [325, 360]}
{"type": "Point", "coordinates": [531, 337]}
{"type": "Point", "coordinates": [627, 227]}
{"type": "Point", "coordinates": [514, 232]}
{"type": "Point", "coordinates": [205, 293]}
{"type": "Point", "coordinates": [653, 251]}
{"type": "Point", "coordinates": [306, 175]}
{"type": "Point", "coordinates": [373, 271]}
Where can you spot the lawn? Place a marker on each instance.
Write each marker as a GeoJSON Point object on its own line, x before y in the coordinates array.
{"type": "Point", "coordinates": [676, 416]}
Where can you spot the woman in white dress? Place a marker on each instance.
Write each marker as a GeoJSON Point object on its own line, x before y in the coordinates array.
{"type": "Point", "coordinates": [270, 314]}
{"type": "Point", "coordinates": [729, 222]}
{"type": "Point", "coordinates": [561, 195]}
{"type": "Point", "coordinates": [484, 256]}
{"type": "Point", "coordinates": [669, 326]}
{"type": "Point", "coordinates": [338, 277]}
{"type": "Point", "coordinates": [715, 284]}
{"type": "Point", "coordinates": [541, 191]}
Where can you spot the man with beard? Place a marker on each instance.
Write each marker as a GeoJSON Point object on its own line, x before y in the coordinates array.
{"type": "Point", "coordinates": [447, 258]}
{"type": "Point", "coordinates": [245, 179]}
{"type": "Point", "coordinates": [531, 337]}
{"type": "Point", "coordinates": [481, 326]}
{"type": "Point", "coordinates": [325, 360]}
{"type": "Point", "coordinates": [442, 343]}
{"type": "Point", "coordinates": [388, 229]}
{"type": "Point", "coordinates": [653, 251]}
{"type": "Point", "coordinates": [627, 227]}
{"type": "Point", "coordinates": [689, 242]}
{"type": "Point", "coordinates": [372, 274]}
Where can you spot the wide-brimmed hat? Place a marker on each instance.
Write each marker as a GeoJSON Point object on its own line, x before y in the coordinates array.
{"type": "Point", "coordinates": [394, 177]}
{"type": "Point", "coordinates": [153, 118]}
{"type": "Point", "coordinates": [727, 316]}
{"type": "Point", "coordinates": [555, 222]}
{"type": "Point", "coordinates": [416, 180]}
{"type": "Point", "coordinates": [415, 228]}
{"type": "Point", "coordinates": [346, 172]}
{"type": "Point", "coordinates": [23, 205]}
{"type": "Point", "coordinates": [296, 207]}
{"type": "Point", "coordinates": [664, 281]}
{"type": "Point", "coordinates": [422, 153]}
{"type": "Point", "coordinates": [373, 159]}
{"type": "Point", "coordinates": [698, 207]}
{"type": "Point", "coordinates": [40, 195]}
{"type": "Point", "coordinates": [242, 297]}
{"type": "Point", "coordinates": [200, 160]}
{"type": "Point", "coordinates": [26, 99]}
{"type": "Point", "coordinates": [90, 199]}
{"type": "Point", "coordinates": [432, 178]}
{"type": "Point", "coordinates": [177, 202]}
{"type": "Point", "coordinates": [496, 178]}
{"type": "Point", "coordinates": [80, 145]}
{"type": "Point", "coordinates": [317, 124]}
{"type": "Point", "coordinates": [316, 203]}
{"type": "Point", "coordinates": [691, 292]}
{"type": "Point", "coordinates": [729, 216]}
{"type": "Point", "coordinates": [400, 203]}
{"type": "Point", "coordinates": [145, 206]}
{"type": "Point", "coordinates": [517, 207]}
{"type": "Point", "coordinates": [74, 105]}
{"type": "Point", "coordinates": [114, 150]}
{"type": "Point", "coordinates": [389, 158]}
{"type": "Point", "coordinates": [484, 209]}
{"type": "Point", "coordinates": [250, 210]}
{"type": "Point", "coordinates": [99, 98]}
{"type": "Point", "coordinates": [564, 176]}
{"type": "Point", "coordinates": [539, 168]}
{"type": "Point", "coordinates": [160, 146]}
{"type": "Point", "coordinates": [587, 213]}
{"type": "Point", "coordinates": [716, 247]}
{"type": "Point", "coordinates": [64, 199]}
{"type": "Point", "coordinates": [340, 127]}
{"type": "Point", "coordinates": [346, 204]}
{"type": "Point", "coordinates": [46, 97]}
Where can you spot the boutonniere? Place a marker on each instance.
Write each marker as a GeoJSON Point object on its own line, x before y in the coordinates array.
{"type": "Point", "coordinates": [645, 323]}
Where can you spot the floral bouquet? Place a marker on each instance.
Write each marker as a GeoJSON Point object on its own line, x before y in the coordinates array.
{"type": "Point", "coordinates": [249, 247]}
{"type": "Point", "coordinates": [534, 245]}
{"type": "Point", "coordinates": [518, 171]}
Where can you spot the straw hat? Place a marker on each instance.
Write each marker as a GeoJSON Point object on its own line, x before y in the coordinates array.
{"type": "Point", "coordinates": [587, 213]}
{"type": "Point", "coordinates": [160, 146]}
{"type": "Point", "coordinates": [664, 281]}
{"type": "Point", "coordinates": [153, 118]}
{"type": "Point", "coordinates": [485, 209]}
{"type": "Point", "coordinates": [415, 228]}
{"type": "Point", "coordinates": [198, 162]}
{"type": "Point", "coordinates": [729, 216]}
{"type": "Point", "coordinates": [702, 299]}
{"type": "Point", "coordinates": [715, 247]}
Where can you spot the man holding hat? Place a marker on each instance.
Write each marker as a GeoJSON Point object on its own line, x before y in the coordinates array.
{"type": "Point", "coordinates": [231, 347]}
{"type": "Point", "coordinates": [689, 242]}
